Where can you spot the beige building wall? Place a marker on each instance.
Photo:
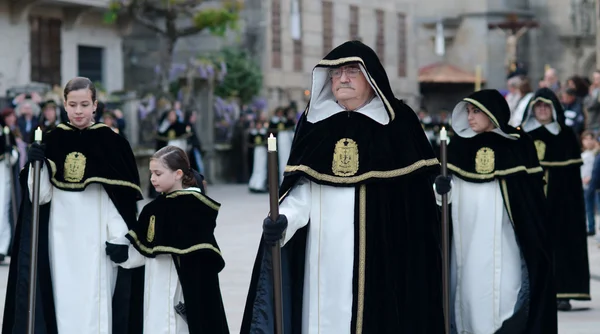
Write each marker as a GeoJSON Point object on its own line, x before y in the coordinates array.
{"type": "Point", "coordinates": [283, 85]}
{"type": "Point", "coordinates": [80, 27]}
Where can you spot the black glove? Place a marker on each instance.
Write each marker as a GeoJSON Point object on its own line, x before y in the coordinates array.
{"type": "Point", "coordinates": [273, 231]}
{"type": "Point", "coordinates": [442, 184]}
{"type": "Point", "coordinates": [117, 253]}
{"type": "Point", "coordinates": [36, 152]}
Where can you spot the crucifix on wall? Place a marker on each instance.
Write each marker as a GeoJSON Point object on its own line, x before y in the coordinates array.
{"type": "Point", "coordinates": [512, 30]}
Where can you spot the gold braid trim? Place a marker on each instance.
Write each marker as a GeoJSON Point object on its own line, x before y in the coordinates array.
{"type": "Point", "coordinates": [372, 174]}
{"type": "Point", "coordinates": [88, 181]}
{"type": "Point", "coordinates": [172, 250]}
{"type": "Point", "coordinates": [362, 256]}
{"type": "Point", "coordinates": [338, 62]}
{"type": "Point", "coordinates": [560, 163]}
{"type": "Point", "coordinates": [91, 127]}
{"type": "Point", "coordinates": [210, 203]}
{"type": "Point", "coordinates": [495, 173]}
{"type": "Point", "coordinates": [572, 295]}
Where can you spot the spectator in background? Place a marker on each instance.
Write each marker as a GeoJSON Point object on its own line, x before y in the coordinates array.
{"type": "Point", "coordinates": [517, 115]}
{"type": "Point", "coordinates": [590, 151]}
{"type": "Point", "coordinates": [27, 118]}
{"type": "Point", "coordinates": [514, 94]}
{"type": "Point", "coordinates": [551, 80]}
{"type": "Point", "coordinates": [574, 112]}
{"type": "Point", "coordinates": [592, 103]}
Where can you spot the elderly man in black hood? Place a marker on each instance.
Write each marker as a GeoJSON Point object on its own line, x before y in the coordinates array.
{"type": "Point", "coordinates": [359, 224]}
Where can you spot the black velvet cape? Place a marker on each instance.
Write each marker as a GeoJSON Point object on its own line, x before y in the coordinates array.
{"type": "Point", "coordinates": [560, 157]}
{"type": "Point", "coordinates": [182, 224]}
{"type": "Point", "coordinates": [177, 130]}
{"type": "Point", "coordinates": [108, 161]}
{"type": "Point", "coordinates": [397, 256]}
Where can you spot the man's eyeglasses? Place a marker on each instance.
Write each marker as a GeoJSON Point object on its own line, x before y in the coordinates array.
{"type": "Point", "coordinates": [351, 72]}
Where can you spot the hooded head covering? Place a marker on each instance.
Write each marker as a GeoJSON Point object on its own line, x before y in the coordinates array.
{"type": "Point", "coordinates": [483, 157]}
{"type": "Point", "coordinates": [556, 147]}
{"type": "Point", "coordinates": [490, 102]}
{"type": "Point", "coordinates": [322, 101]}
{"type": "Point", "coordinates": [547, 96]}
{"type": "Point", "coordinates": [380, 140]}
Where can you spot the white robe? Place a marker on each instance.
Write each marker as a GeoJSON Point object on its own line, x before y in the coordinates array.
{"type": "Point", "coordinates": [327, 295]}
{"type": "Point", "coordinates": [83, 276]}
{"type": "Point", "coordinates": [258, 179]}
{"type": "Point", "coordinates": [284, 147]}
{"type": "Point", "coordinates": [162, 292]}
{"type": "Point", "coordinates": [5, 204]}
{"type": "Point", "coordinates": [486, 260]}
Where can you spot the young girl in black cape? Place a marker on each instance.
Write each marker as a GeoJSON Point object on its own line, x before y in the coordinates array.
{"type": "Point", "coordinates": [182, 259]}
{"type": "Point", "coordinates": [501, 278]}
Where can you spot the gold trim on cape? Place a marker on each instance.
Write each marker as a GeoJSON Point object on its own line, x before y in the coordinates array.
{"type": "Point", "coordinates": [496, 173]}
{"type": "Point", "coordinates": [368, 175]}
{"type": "Point", "coordinates": [172, 250]}
{"type": "Point", "coordinates": [340, 61]}
{"type": "Point", "coordinates": [484, 109]}
{"type": "Point", "coordinates": [88, 181]}
{"type": "Point", "coordinates": [345, 158]}
{"type": "Point", "coordinates": [210, 203]}
{"type": "Point", "coordinates": [561, 163]}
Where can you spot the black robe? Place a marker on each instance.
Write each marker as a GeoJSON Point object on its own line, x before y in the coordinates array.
{"type": "Point", "coordinates": [560, 157]}
{"type": "Point", "coordinates": [182, 225]}
{"type": "Point", "coordinates": [110, 162]}
{"type": "Point", "coordinates": [520, 176]}
{"type": "Point", "coordinates": [397, 282]}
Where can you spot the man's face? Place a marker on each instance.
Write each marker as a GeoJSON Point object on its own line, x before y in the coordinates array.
{"type": "Point", "coordinates": [596, 78]}
{"type": "Point", "coordinates": [349, 84]}
{"type": "Point", "coordinates": [568, 99]}
{"type": "Point", "coordinates": [550, 76]}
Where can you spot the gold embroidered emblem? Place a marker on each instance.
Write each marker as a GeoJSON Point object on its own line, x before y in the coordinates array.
{"type": "Point", "coordinates": [485, 160]}
{"type": "Point", "coordinates": [150, 234]}
{"type": "Point", "coordinates": [258, 140]}
{"type": "Point", "coordinates": [345, 158]}
{"type": "Point", "coordinates": [172, 134]}
{"type": "Point", "coordinates": [281, 126]}
{"type": "Point", "coordinates": [540, 147]}
{"type": "Point", "coordinates": [74, 167]}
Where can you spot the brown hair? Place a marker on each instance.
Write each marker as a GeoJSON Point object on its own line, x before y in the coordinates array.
{"type": "Point", "coordinates": [525, 86]}
{"type": "Point", "coordinates": [175, 158]}
{"type": "Point", "coordinates": [587, 133]}
{"type": "Point", "coordinates": [78, 83]}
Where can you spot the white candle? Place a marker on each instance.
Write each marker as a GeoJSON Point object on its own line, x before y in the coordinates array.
{"type": "Point", "coordinates": [6, 130]}
{"type": "Point", "coordinates": [38, 134]}
{"type": "Point", "coordinates": [443, 134]}
{"type": "Point", "coordinates": [272, 143]}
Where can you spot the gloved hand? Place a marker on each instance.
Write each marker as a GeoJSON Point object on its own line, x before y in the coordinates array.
{"type": "Point", "coordinates": [117, 253]}
{"type": "Point", "coordinates": [37, 152]}
{"type": "Point", "coordinates": [273, 230]}
{"type": "Point", "coordinates": [442, 184]}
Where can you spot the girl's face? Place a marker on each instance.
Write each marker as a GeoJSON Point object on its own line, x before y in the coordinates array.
{"type": "Point", "coordinates": [543, 112]}
{"type": "Point", "coordinates": [80, 108]}
{"type": "Point", "coordinates": [478, 120]}
{"type": "Point", "coordinates": [588, 142]}
{"type": "Point", "coordinates": [163, 179]}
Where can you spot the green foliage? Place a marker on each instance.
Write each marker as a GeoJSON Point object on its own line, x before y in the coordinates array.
{"type": "Point", "coordinates": [243, 79]}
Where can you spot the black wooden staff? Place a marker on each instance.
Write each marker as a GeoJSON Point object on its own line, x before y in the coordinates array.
{"type": "Point", "coordinates": [445, 234]}
{"type": "Point", "coordinates": [276, 249]}
{"type": "Point", "coordinates": [35, 221]}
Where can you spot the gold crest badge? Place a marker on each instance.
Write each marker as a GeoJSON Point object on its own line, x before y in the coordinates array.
{"type": "Point", "coordinates": [171, 134]}
{"type": "Point", "coordinates": [150, 234]}
{"type": "Point", "coordinates": [345, 158]}
{"type": "Point", "coordinates": [485, 160]}
{"type": "Point", "coordinates": [281, 126]}
{"type": "Point", "coordinates": [74, 167]}
{"type": "Point", "coordinates": [258, 140]}
{"type": "Point", "coordinates": [540, 148]}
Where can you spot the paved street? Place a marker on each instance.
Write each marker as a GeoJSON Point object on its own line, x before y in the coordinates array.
{"type": "Point", "coordinates": [238, 233]}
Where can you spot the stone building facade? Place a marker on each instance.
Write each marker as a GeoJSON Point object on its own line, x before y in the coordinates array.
{"type": "Point", "coordinates": [53, 41]}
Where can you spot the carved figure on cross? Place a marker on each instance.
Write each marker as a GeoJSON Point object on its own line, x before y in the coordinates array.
{"type": "Point", "coordinates": [512, 30]}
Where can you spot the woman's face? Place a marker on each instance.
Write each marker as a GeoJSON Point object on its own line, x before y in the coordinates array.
{"type": "Point", "coordinates": [543, 112]}
{"type": "Point", "coordinates": [50, 114]}
{"type": "Point", "coordinates": [10, 120]}
{"type": "Point", "coordinates": [80, 108]}
{"type": "Point", "coordinates": [478, 120]}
